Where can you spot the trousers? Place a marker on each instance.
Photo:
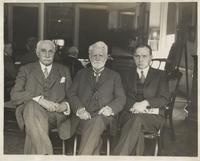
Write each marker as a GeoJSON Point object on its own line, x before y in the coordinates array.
{"type": "Point", "coordinates": [37, 122]}
{"type": "Point", "coordinates": [132, 133]}
{"type": "Point", "coordinates": [91, 131]}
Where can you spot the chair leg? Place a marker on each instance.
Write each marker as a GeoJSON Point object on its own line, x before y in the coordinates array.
{"type": "Point", "coordinates": [161, 140]}
{"type": "Point", "coordinates": [160, 145]}
{"type": "Point", "coordinates": [63, 147]}
{"type": "Point", "coordinates": [156, 147]}
{"type": "Point", "coordinates": [75, 145]}
{"type": "Point", "coordinates": [108, 146]}
{"type": "Point", "coordinates": [172, 127]}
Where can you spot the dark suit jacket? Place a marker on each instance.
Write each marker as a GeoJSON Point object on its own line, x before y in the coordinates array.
{"type": "Point", "coordinates": [30, 83]}
{"type": "Point", "coordinates": [85, 93]}
{"type": "Point", "coordinates": [156, 88]}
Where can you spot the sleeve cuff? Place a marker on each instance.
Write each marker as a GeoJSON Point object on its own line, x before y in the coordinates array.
{"type": "Point", "coordinates": [112, 112]}
{"type": "Point", "coordinates": [37, 98]}
{"type": "Point", "coordinates": [146, 103]}
{"type": "Point", "coordinates": [79, 111]}
{"type": "Point", "coordinates": [68, 110]}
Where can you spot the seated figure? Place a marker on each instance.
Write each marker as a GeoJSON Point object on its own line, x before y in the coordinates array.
{"type": "Point", "coordinates": [41, 92]}
{"type": "Point", "coordinates": [147, 92]}
{"type": "Point", "coordinates": [96, 95]}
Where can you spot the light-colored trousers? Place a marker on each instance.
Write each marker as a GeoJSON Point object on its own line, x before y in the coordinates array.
{"type": "Point", "coordinates": [37, 122]}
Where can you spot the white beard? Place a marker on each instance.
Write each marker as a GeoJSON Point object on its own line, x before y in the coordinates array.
{"type": "Point", "coordinates": [98, 64]}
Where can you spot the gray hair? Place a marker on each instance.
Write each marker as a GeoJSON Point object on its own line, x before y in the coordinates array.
{"type": "Point", "coordinates": [44, 42]}
{"type": "Point", "coordinates": [99, 44]}
{"type": "Point", "coordinates": [73, 52]}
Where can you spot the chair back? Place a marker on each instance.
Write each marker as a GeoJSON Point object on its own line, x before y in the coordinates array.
{"type": "Point", "coordinates": [174, 79]}
{"type": "Point", "coordinates": [173, 75]}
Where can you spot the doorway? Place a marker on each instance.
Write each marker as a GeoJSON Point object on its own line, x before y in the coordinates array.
{"type": "Point", "coordinates": [93, 27]}
{"type": "Point", "coordinates": [25, 25]}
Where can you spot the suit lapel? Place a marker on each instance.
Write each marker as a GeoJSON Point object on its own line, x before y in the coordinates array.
{"type": "Point", "coordinates": [90, 77]}
{"type": "Point", "coordinates": [149, 77]}
{"type": "Point", "coordinates": [132, 80]}
{"type": "Point", "coordinates": [104, 76]}
{"type": "Point", "coordinates": [53, 75]}
{"type": "Point", "coordinates": [38, 74]}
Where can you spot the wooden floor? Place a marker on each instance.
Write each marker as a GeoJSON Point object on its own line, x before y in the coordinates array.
{"type": "Point", "coordinates": [185, 143]}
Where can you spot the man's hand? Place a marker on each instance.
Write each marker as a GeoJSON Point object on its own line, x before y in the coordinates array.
{"type": "Point", "coordinates": [106, 111]}
{"type": "Point", "coordinates": [62, 107]}
{"type": "Point", "coordinates": [48, 105]}
{"type": "Point", "coordinates": [83, 114]}
{"type": "Point", "coordinates": [140, 107]}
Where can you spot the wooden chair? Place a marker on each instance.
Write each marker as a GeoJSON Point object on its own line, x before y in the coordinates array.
{"type": "Point", "coordinates": [174, 80]}
{"type": "Point", "coordinates": [63, 147]}
{"type": "Point", "coordinates": [174, 77]}
{"type": "Point", "coordinates": [155, 136]}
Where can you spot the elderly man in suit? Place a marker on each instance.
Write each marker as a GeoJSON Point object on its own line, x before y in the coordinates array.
{"type": "Point", "coordinates": [96, 95]}
{"type": "Point", "coordinates": [41, 92]}
{"type": "Point", "coordinates": [146, 88]}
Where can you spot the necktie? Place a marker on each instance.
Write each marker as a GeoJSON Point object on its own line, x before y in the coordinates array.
{"type": "Point", "coordinates": [46, 72]}
{"type": "Point", "coordinates": [97, 75]}
{"type": "Point", "coordinates": [142, 78]}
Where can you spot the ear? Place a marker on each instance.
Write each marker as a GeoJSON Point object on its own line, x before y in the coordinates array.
{"type": "Point", "coordinates": [37, 54]}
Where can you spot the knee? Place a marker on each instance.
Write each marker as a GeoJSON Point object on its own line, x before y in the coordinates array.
{"type": "Point", "coordinates": [29, 109]}
{"type": "Point", "coordinates": [134, 121]}
{"type": "Point", "coordinates": [96, 123]}
{"type": "Point", "coordinates": [138, 118]}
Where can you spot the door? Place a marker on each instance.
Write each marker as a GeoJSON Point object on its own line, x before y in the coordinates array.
{"type": "Point", "coordinates": [25, 25]}
{"type": "Point", "coordinates": [93, 27]}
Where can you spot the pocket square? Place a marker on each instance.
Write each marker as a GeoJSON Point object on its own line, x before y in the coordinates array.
{"type": "Point", "coordinates": [62, 80]}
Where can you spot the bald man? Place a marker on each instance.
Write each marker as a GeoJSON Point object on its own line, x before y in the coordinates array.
{"type": "Point", "coordinates": [96, 95]}
{"type": "Point", "coordinates": [41, 92]}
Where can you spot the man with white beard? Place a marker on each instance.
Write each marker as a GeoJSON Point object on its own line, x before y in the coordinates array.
{"type": "Point", "coordinates": [96, 95]}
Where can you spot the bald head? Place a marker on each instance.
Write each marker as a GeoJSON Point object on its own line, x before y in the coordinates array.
{"type": "Point", "coordinates": [98, 54]}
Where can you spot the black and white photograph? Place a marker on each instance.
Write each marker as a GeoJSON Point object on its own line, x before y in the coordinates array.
{"type": "Point", "coordinates": [108, 79]}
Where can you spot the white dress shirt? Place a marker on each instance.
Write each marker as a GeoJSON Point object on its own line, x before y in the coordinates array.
{"type": "Point", "coordinates": [44, 66]}
{"type": "Point", "coordinates": [145, 71]}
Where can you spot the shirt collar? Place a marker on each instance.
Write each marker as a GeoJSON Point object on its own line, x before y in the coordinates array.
{"type": "Point", "coordinates": [97, 72]}
{"type": "Point", "coordinates": [145, 71]}
{"type": "Point", "coordinates": [44, 66]}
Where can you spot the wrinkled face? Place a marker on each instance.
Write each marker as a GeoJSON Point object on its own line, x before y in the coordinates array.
{"type": "Point", "coordinates": [46, 53]}
{"type": "Point", "coordinates": [142, 57]}
{"type": "Point", "coordinates": [97, 58]}
{"type": "Point", "coordinates": [8, 49]}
